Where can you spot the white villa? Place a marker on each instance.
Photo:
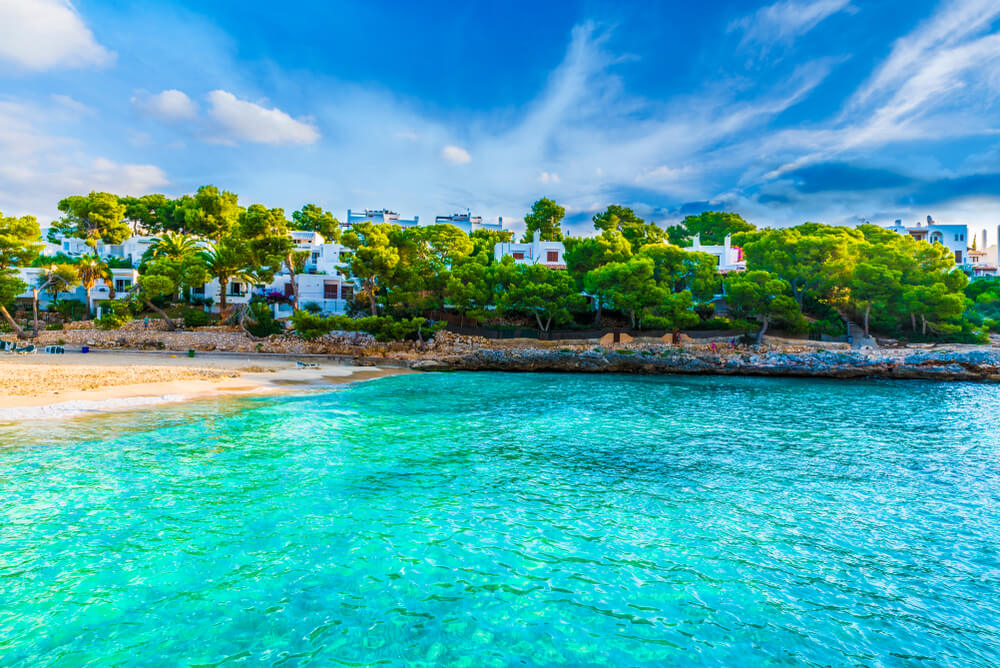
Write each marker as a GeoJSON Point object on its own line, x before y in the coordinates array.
{"type": "Point", "coordinates": [548, 253]}
{"type": "Point", "coordinates": [469, 223]}
{"type": "Point", "coordinates": [730, 258]}
{"type": "Point", "coordinates": [378, 216]}
{"type": "Point", "coordinates": [320, 283]}
{"type": "Point", "coordinates": [954, 237]}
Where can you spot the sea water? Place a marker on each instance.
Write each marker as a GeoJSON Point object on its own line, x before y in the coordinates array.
{"type": "Point", "coordinates": [498, 519]}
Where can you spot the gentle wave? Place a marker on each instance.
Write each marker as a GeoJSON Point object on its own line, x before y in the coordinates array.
{"type": "Point", "coordinates": [76, 408]}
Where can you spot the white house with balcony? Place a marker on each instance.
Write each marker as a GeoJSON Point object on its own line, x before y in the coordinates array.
{"type": "Point", "coordinates": [378, 216]}
{"type": "Point", "coordinates": [131, 249]}
{"type": "Point", "coordinates": [548, 253]}
{"type": "Point", "coordinates": [953, 237]}
{"type": "Point", "coordinates": [469, 223]}
{"type": "Point", "coordinates": [122, 281]}
{"type": "Point", "coordinates": [729, 257]}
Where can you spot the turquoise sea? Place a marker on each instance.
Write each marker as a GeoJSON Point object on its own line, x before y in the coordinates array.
{"type": "Point", "coordinates": [503, 519]}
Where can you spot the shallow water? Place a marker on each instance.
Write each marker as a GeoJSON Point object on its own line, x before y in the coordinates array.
{"type": "Point", "coordinates": [494, 519]}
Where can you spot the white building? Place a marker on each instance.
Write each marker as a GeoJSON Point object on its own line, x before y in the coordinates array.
{"type": "Point", "coordinates": [131, 249]}
{"type": "Point", "coordinates": [730, 258]}
{"type": "Point", "coordinates": [954, 237]}
{"type": "Point", "coordinates": [378, 216]}
{"type": "Point", "coordinates": [122, 281]}
{"type": "Point", "coordinates": [469, 223]}
{"type": "Point", "coordinates": [548, 253]}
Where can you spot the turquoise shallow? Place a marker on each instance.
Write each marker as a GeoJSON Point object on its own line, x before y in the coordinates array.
{"type": "Point", "coordinates": [499, 519]}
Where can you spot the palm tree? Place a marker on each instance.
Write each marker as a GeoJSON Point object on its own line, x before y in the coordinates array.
{"type": "Point", "coordinates": [90, 269]}
{"type": "Point", "coordinates": [173, 245]}
{"type": "Point", "coordinates": [226, 263]}
{"type": "Point", "coordinates": [54, 278]}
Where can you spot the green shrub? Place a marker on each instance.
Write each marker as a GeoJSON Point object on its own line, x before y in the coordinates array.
{"type": "Point", "coordinates": [263, 323]}
{"type": "Point", "coordinates": [71, 309]}
{"type": "Point", "coordinates": [383, 327]}
{"type": "Point", "coordinates": [312, 307]}
{"type": "Point", "coordinates": [114, 314]}
{"type": "Point", "coordinates": [196, 317]}
{"type": "Point", "coordinates": [54, 326]}
{"type": "Point", "coordinates": [705, 311]}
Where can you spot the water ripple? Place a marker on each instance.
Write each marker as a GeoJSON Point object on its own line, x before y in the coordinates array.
{"type": "Point", "coordinates": [469, 519]}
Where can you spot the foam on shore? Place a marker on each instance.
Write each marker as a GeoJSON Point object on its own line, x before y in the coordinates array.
{"type": "Point", "coordinates": [68, 409]}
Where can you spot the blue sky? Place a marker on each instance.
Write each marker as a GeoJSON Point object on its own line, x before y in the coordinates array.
{"type": "Point", "coordinates": [828, 110]}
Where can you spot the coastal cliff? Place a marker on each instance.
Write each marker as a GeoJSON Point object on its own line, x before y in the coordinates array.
{"type": "Point", "coordinates": [977, 365]}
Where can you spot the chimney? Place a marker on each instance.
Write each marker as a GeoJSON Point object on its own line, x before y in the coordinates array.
{"type": "Point", "coordinates": [930, 221]}
{"type": "Point", "coordinates": [984, 239]}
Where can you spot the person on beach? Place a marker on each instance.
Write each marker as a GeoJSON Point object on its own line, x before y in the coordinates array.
{"type": "Point", "coordinates": [145, 322]}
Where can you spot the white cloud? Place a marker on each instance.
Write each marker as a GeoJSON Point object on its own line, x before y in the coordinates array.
{"type": "Point", "coordinates": [41, 168]}
{"type": "Point", "coordinates": [546, 177]}
{"type": "Point", "coordinates": [957, 21]}
{"type": "Point", "coordinates": [784, 21]}
{"type": "Point", "coordinates": [46, 34]}
{"type": "Point", "coordinates": [939, 82]}
{"type": "Point", "coordinates": [455, 155]}
{"type": "Point", "coordinates": [242, 120]}
{"type": "Point", "coordinates": [169, 105]}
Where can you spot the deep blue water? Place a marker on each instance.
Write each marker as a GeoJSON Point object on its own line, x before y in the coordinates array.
{"type": "Point", "coordinates": [499, 519]}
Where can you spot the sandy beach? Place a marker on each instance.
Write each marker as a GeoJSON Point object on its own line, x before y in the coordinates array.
{"type": "Point", "coordinates": [42, 386]}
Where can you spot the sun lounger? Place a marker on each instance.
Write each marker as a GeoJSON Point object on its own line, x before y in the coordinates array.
{"type": "Point", "coordinates": [26, 350]}
{"type": "Point", "coordinates": [306, 365]}
{"type": "Point", "coordinates": [7, 346]}
{"type": "Point", "coordinates": [54, 350]}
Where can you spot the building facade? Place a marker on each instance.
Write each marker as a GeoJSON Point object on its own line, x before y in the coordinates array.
{"type": "Point", "coordinates": [548, 253]}
{"type": "Point", "coordinates": [469, 223]}
{"type": "Point", "coordinates": [954, 237]}
{"type": "Point", "coordinates": [730, 258]}
{"type": "Point", "coordinates": [378, 216]}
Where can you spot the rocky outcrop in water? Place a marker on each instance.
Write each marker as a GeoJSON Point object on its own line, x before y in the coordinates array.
{"type": "Point", "coordinates": [980, 365]}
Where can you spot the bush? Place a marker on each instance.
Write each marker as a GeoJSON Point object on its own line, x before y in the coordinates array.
{"type": "Point", "coordinates": [382, 327]}
{"type": "Point", "coordinates": [705, 311]}
{"type": "Point", "coordinates": [263, 323]}
{"type": "Point", "coordinates": [312, 307]}
{"type": "Point", "coordinates": [71, 309]}
{"type": "Point", "coordinates": [201, 301]}
{"type": "Point", "coordinates": [195, 317]}
{"type": "Point", "coordinates": [53, 326]}
{"type": "Point", "coordinates": [115, 314]}
{"type": "Point", "coordinates": [722, 323]}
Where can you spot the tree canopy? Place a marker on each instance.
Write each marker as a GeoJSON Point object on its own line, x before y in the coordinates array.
{"type": "Point", "coordinates": [544, 221]}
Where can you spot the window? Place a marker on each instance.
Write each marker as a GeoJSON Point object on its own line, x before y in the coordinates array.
{"type": "Point", "coordinates": [315, 257]}
{"type": "Point", "coordinates": [347, 291]}
{"type": "Point", "coordinates": [199, 291]}
{"type": "Point", "coordinates": [122, 285]}
{"type": "Point", "coordinates": [552, 256]}
{"type": "Point", "coordinates": [289, 289]}
{"type": "Point", "coordinates": [518, 255]}
{"type": "Point", "coordinates": [236, 289]}
{"type": "Point", "coordinates": [958, 257]}
{"type": "Point", "coordinates": [329, 290]}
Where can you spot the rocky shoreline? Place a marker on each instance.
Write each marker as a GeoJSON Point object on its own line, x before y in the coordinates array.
{"type": "Point", "coordinates": [977, 365]}
{"type": "Point", "coordinates": [452, 352]}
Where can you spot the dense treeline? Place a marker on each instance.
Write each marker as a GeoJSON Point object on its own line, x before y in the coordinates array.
{"type": "Point", "coordinates": [630, 272]}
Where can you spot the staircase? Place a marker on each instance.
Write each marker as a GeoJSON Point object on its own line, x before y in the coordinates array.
{"type": "Point", "coordinates": [856, 335]}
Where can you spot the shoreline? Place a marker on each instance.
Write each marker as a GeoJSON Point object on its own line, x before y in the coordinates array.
{"type": "Point", "coordinates": [937, 365]}
{"type": "Point", "coordinates": [89, 384]}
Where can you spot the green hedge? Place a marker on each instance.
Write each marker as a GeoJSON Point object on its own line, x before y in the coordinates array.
{"type": "Point", "coordinates": [383, 327]}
